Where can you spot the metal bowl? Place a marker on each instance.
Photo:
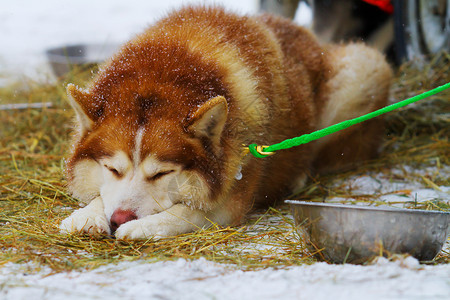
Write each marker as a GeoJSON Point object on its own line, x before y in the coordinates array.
{"type": "Point", "coordinates": [65, 59]}
{"type": "Point", "coordinates": [355, 234]}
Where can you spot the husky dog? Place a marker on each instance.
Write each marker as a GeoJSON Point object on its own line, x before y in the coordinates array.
{"type": "Point", "coordinates": [158, 149]}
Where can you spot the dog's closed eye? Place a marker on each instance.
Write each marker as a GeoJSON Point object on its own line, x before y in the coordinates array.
{"type": "Point", "coordinates": [114, 171]}
{"type": "Point", "coordinates": [159, 175]}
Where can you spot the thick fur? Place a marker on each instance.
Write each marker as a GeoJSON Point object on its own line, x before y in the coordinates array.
{"type": "Point", "coordinates": [161, 128]}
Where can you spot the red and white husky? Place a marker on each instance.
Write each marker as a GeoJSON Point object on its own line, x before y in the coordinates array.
{"type": "Point", "coordinates": [161, 128]}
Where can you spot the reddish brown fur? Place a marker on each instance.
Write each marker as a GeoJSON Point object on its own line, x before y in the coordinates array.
{"type": "Point", "coordinates": [158, 81]}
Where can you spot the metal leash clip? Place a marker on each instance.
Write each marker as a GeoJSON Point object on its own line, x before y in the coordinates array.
{"type": "Point", "coordinates": [260, 150]}
{"type": "Point", "coordinates": [256, 150]}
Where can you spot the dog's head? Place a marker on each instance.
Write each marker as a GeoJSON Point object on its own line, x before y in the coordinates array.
{"type": "Point", "coordinates": [146, 152]}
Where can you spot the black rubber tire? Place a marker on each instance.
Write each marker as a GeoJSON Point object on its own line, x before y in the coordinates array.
{"type": "Point", "coordinates": [411, 31]}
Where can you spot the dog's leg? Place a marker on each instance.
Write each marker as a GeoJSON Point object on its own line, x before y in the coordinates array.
{"type": "Point", "coordinates": [360, 85]}
{"type": "Point", "coordinates": [178, 219]}
{"type": "Point", "coordinates": [90, 219]}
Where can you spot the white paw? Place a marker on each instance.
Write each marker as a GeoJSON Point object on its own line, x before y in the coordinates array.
{"type": "Point", "coordinates": [83, 220]}
{"type": "Point", "coordinates": [164, 224]}
{"type": "Point", "coordinates": [139, 229]}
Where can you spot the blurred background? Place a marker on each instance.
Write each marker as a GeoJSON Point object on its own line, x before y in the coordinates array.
{"type": "Point", "coordinates": [403, 29]}
{"type": "Point", "coordinates": [35, 35]}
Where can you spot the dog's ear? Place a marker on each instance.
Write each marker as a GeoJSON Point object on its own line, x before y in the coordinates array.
{"type": "Point", "coordinates": [84, 107]}
{"type": "Point", "coordinates": [209, 120]}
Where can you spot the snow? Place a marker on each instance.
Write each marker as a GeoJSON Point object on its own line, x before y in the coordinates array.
{"type": "Point", "coordinates": [395, 191]}
{"type": "Point", "coordinates": [201, 279]}
{"type": "Point", "coordinates": [27, 28]}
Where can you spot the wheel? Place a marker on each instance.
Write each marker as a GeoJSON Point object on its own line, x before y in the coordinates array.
{"type": "Point", "coordinates": [422, 27]}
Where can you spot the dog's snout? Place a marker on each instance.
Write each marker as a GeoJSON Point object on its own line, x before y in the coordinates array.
{"type": "Point", "coordinates": [120, 217]}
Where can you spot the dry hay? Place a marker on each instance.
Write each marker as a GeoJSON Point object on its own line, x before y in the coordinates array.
{"type": "Point", "coordinates": [33, 197]}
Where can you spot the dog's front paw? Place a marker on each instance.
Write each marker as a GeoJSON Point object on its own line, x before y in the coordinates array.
{"type": "Point", "coordinates": [83, 220]}
{"type": "Point", "coordinates": [138, 229]}
{"type": "Point", "coordinates": [176, 220]}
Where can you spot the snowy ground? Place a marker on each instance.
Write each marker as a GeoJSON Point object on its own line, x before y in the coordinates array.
{"type": "Point", "coordinates": [27, 28]}
{"type": "Point", "coordinates": [201, 279]}
{"type": "Point", "coordinates": [403, 278]}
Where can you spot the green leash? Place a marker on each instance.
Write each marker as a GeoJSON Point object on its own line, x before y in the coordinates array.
{"type": "Point", "coordinates": [264, 151]}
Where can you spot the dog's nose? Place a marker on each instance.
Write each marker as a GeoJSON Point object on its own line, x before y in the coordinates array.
{"type": "Point", "coordinates": [120, 217]}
